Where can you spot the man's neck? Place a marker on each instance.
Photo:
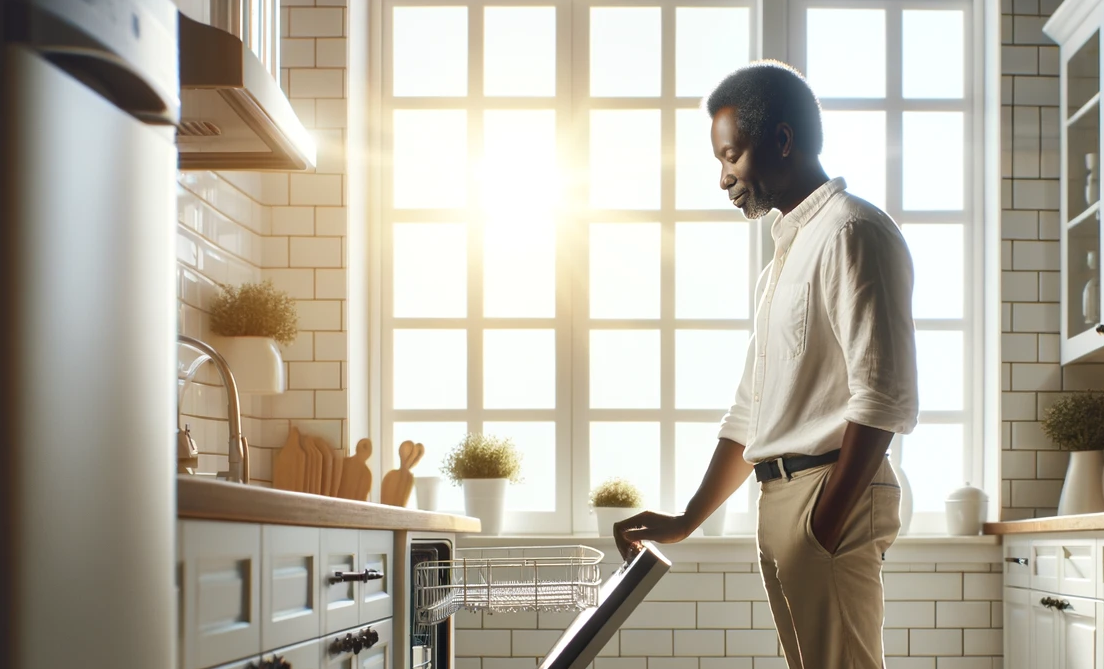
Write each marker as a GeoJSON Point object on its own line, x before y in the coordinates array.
{"type": "Point", "coordinates": [805, 182]}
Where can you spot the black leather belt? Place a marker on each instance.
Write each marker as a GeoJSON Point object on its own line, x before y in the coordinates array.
{"type": "Point", "coordinates": [777, 468]}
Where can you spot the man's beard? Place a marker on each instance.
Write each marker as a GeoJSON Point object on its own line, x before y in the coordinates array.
{"type": "Point", "coordinates": [757, 204]}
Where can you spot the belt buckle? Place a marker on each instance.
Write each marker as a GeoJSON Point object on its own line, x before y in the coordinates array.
{"type": "Point", "coordinates": [782, 468]}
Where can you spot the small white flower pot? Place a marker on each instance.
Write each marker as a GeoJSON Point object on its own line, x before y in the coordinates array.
{"type": "Point", "coordinates": [606, 516]}
{"type": "Point", "coordinates": [485, 499]}
{"type": "Point", "coordinates": [714, 525]}
{"type": "Point", "coordinates": [255, 362]}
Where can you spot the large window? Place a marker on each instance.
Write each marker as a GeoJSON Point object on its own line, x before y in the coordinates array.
{"type": "Point", "coordinates": [561, 267]}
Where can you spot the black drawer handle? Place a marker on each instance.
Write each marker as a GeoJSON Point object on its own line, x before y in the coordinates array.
{"type": "Point", "coordinates": [365, 638]}
{"type": "Point", "coordinates": [274, 663]}
{"type": "Point", "coordinates": [362, 576]}
{"type": "Point", "coordinates": [1016, 560]}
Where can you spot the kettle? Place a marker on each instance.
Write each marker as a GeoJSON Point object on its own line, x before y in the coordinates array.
{"type": "Point", "coordinates": [965, 510]}
{"type": "Point", "coordinates": [187, 453]}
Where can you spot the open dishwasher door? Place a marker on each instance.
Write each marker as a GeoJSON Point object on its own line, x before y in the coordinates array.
{"type": "Point", "coordinates": [620, 595]}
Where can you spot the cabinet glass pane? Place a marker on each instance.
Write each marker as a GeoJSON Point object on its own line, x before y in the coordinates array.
{"type": "Point", "coordinates": [519, 369]}
{"type": "Point", "coordinates": [855, 149]}
{"type": "Point", "coordinates": [932, 53]}
{"type": "Point", "coordinates": [624, 270]}
{"type": "Point", "coordinates": [519, 51]}
{"type": "Point", "coordinates": [438, 439]}
{"type": "Point", "coordinates": [710, 42]}
{"type": "Point", "coordinates": [842, 67]}
{"type": "Point", "coordinates": [697, 171]}
{"type": "Point", "coordinates": [624, 51]}
{"type": "Point", "coordinates": [933, 161]}
{"type": "Point", "coordinates": [629, 451]}
{"type": "Point", "coordinates": [519, 267]}
{"type": "Point", "coordinates": [694, 446]}
{"type": "Point", "coordinates": [536, 444]}
{"type": "Point", "coordinates": [624, 369]}
{"type": "Point", "coordinates": [933, 462]}
{"type": "Point", "coordinates": [446, 148]}
{"type": "Point", "coordinates": [708, 367]}
{"type": "Point", "coordinates": [1083, 165]}
{"type": "Point", "coordinates": [711, 270]}
{"type": "Point", "coordinates": [624, 159]}
{"type": "Point", "coordinates": [442, 293]}
{"type": "Point", "coordinates": [1083, 277]}
{"type": "Point", "coordinates": [430, 369]}
{"type": "Point", "coordinates": [1083, 75]}
{"type": "Point", "coordinates": [430, 51]}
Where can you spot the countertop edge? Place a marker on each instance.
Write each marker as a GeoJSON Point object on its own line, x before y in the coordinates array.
{"type": "Point", "coordinates": [205, 499]}
{"type": "Point", "coordinates": [1086, 522]}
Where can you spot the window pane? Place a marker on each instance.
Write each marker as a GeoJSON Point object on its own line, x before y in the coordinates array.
{"type": "Point", "coordinates": [708, 367]}
{"type": "Point", "coordinates": [430, 51]}
{"type": "Point", "coordinates": [519, 155]}
{"type": "Point", "coordinates": [438, 439]}
{"type": "Point", "coordinates": [446, 147]}
{"type": "Point", "coordinates": [932, 458]}
{"type": "Point", "coordinates": [694, 446]}
{"type": "Point", "coordinates": [624, 270]}
{"type": "Point", "coordinates": [430, 369]}
{"type": "Point", "coordinates": [536, 442]}
{"type": "Point", "coordinates": [624, 51]}
{"type": "Point", "coordinates": [712, 262]}
{"type": "Point", "coordinates": [624, 369]}
{"type": "Point", "coordinates": [697, 172]}
{"type": "Point", "coordinates": [940, 361]}
{"type": "Point", "coordinates": [710, 42]}
{"type": "Point", "coordinates": [519, 51]}
{"type": "Point", "coordinates": [855, 149]}
{"type": "Point", "coordinates": [519, 267]}
{"type": "Point", "coordinates": [624, 159]}
{"type": "Point", "coordinates": [519, 369]}
{"type": "Point", "coordinates": [442, 293]}
{"type": "Point", "coordinates": [841, 66]}
{"type": "Point", "coordinates": [629, 451]}
{"type": "Point", "coordinates": [937, 258]}
{"type": "Point", "coordinates": [932, 54]}
{"type": "Point", "coordinates": [933, 160]}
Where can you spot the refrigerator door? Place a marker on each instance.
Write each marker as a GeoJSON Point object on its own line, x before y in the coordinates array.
{"type": "Point", "coordinates": [621, 594]}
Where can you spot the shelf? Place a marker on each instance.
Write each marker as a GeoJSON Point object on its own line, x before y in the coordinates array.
{"type": "Point", "coordinates": [1084, 216]}
{"type": "Point", "coordinates": [1085, 109]}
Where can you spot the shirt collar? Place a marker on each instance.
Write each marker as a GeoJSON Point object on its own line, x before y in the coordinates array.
{"type": "Point", "coordinates": [804, 212]}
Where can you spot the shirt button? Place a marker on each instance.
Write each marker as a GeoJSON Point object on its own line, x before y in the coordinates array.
{"type": "Point", "coordinates": [756, 397]}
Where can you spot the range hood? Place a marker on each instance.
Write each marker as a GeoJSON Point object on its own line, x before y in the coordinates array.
{"type": "Point", "coordinates": [233, 115]}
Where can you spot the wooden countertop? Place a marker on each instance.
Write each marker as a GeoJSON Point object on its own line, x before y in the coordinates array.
{"type": "Point", "coordinates": [208, 499]}
{"type": "Point", "coordinates": [1085, 522]}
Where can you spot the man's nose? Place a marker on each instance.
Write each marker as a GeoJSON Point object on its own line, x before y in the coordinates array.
{"type": "Point", "coordinates": [727, 181]}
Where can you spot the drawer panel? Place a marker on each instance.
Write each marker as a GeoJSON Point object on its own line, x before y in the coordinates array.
{"type": "Point", "coordinates": [376, 657]}
{"type": "Point", "coordinates": [376, 551]}
{"type": "Point", "coordinates": [1045, 563]}
{"type": "Point", "coordinates": [1017, 563]}
{"type": "Point", "coordinates": [289, 585]}
{"type": "Point", "coordinates": [1077, 575]}
{"type": "Point", "coordinates": [301, 656]}
{"type": "Point", "coordinates": [221, 563]}
{"type": "Point", "coordinates": [340, 601]}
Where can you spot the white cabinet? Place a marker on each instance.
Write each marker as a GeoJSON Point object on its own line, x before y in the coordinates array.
{"type": "Point", "coordinates": [1017, 628]}
{"type": "Point", "coordinates": [339, 653]}
{"type": "Point", "coordinates": [376, 549]}
{"type": "Point", "coordinates": [289, 591]}
{"type": "Point", "coordinates": [340, 598]}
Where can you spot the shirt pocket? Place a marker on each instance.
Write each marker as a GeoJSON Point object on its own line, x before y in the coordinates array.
{"type": "Point", "coordinates": [790, 318]}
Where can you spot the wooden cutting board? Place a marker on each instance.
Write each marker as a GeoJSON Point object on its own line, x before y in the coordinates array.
{"type": "Point", "coordinates": [356, 478]}
{"type": "Point", "coordinates": [328, 457]}
{"type": "Point", "coordinates": [335, 480]}
{"type": "Point", "coordinates": [314, 467]}
{"type": "Point", "coordinates": [289, 467]}
{"type": "Point", "coordinates": [398, 483]}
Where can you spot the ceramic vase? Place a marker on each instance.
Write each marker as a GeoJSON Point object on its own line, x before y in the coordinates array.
{"type": "Point", "coordinates": [425, 488]}
{"type": "Point", "coordinates": [906, 497]}
{"type": "Point", "coordinates": [606, 516]}
{"type": "Point", "coordinates": [1092, 178]}
{"type": "Point", "coordinates": [1090, 296]}
{"type": "Point", "coordinates": [1083, 488]}
{"type": "Point", "coordinates": [485, 499]}
{"type": "Point", "coordinates": [255, 362]}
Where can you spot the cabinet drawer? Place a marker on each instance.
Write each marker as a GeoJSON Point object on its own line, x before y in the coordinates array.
{"type": "Point", "coordinates": [1017, 563]}
{"type": "Point", "coordinates": [220, 608]}
{"type": "Point", "coordinates": [248, 663]}
{"type": "Point", "coordinates": [376, 551]}
{"type": "Point", "coordinates": [1077, 575]}
{"type": "Point", "coordinates": [1045, 563]}
{"type": "Point", "coordinates": [340, 601]}
{"type": "Point", "coordinates": [289, 585]}
{"type": "Point", "coordinates": [300, 656]}
{"type": "Point", "coordinates": [376, 657]}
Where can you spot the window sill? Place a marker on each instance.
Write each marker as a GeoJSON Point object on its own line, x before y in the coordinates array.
{"type": "Point", "coordinates": [929, 549]}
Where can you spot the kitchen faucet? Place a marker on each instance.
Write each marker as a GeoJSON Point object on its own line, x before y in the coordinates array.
{"type": "Point", "coordinates": [238, 469]}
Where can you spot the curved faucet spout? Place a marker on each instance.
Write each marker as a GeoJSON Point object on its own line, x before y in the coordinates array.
{"type": "Point", "coordinates": [238, 451]}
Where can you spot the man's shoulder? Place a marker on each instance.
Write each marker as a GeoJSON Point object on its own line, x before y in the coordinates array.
{"type": "Point", "coordinates": [846, 210]}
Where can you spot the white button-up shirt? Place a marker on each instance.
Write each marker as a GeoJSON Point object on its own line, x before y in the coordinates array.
{"type": "Point", "coordinates": [834, 339]}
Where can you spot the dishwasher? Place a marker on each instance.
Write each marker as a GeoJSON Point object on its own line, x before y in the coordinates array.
{"type": "Point", "coordinates": [544, 579]}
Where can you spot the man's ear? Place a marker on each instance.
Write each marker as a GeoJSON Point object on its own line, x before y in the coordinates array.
{"type": "Point", "coordinates": [784, 136]}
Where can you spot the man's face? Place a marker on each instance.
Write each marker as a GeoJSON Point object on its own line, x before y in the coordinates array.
{"type": "Point", "coordinates": [749, 173]}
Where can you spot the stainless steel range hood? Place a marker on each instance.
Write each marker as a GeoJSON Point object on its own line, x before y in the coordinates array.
{"type": "Point", "coordinates": [233, 115]}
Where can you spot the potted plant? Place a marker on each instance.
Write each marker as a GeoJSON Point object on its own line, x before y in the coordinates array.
{"type": "Point", "coordinates": [250, 320]}
{"type": "Point", "coordinates": [614, 500]}
{"type": "Point", "coordinates": [1075, 423]}
{"type": "Point", "coordinates": [484, 465]}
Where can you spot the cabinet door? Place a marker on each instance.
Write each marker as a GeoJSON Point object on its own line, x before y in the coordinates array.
{"type": "Point", "coordinates": [376, 657]}
{"type": "Point", "coordinates": [1017, 563]}
{"type": "Point", "coordinates": [376, 549]}
{"type": "Point", "coordinates": [248, 663]}
{"type": "Point", "coordinates": [1077, 574]}
{"type": "Point", "coordinates": [221, 608]}
{"type": "Point", "coordinates": [379, 655]}
{"type": "Point", "coordinates": [1046, 560]}
{"type": "Point", "coordinates": [340, 601]}
{"type": "Point", "coordinates": [289, 586]}
{"type": "Point", "coordinates": [1077, 637]}
{"type": "Point", "coordinates": [1044, 633]}
{"type": "Point", "coordinates": [1017, 628]}
{"type": "Point", "coordinates": [301, 656]}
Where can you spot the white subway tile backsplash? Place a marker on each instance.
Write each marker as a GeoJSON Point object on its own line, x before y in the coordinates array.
{"type": "Point", "coordinates": [1019, 224]}
{"type": "Point", "coordinates": [331, 152]}
{"type": "Point", "coordinates": [1035, 317]}
{"type": "Point", "coordinates": [315, 189]}
{"type": "Point", "coordinates": [897, 662]}
{"type": "Point", "coordinates": [1019, 60]}
{"type": "Point", "coordinates": [662, 615]}
{"type": "Point", "coordinates": [483, 643]}
{"type": "Point", "coordinates": [965, 663]}
{"type": "Point", "coordinates": [329, 284]}
{"type": "Point", "coordinates": [1019, 347]}
{"type": "Point", "coordinates": [672, 663]}
{"type": "Point", "coordinates": [298, 52]}
{"type": "Point", "coordinates": [315, 252]}
{"type": "Point", "coordinates": [531, 643]}
{"type": "Point", "coordinates": [982, 586]}
{"type": "Point", "coordinates": [935, 642]}
{"type": "Point", "coordinates": [293, 221]}
{"type": "Point", "coordinates": [290, 404]}
{"type": "Point", "coordinates": [307, 83]}
{"type": "Point", "coordinates": [331, 221]}
{"type": "Point", "coordinates": [1029, 30]}
{"type": "Point", "coordinates": [1035, 376]}
{"type": "Point", "coordinates": [316, 22]}
{"type": "Point", "coordinates": [274, 252]}
{"type": "Point", "coordinates": [1017, 464]}
{"type": "Point", "coordinates": [751, 642]}
{"type": "Point", "coordinates": [297, 283]}
{"type": "Point", "coordinates": [319, 314]}
{"type": "Point", "coordinates": [1031, 255]}
{"type": "Point", "coordinates": [330, 346]}
{"type": "Point", "coordinates": [909, 614]}
{"type": "Point", "coordinates": [1029, 435]}
{"type": "Point", "coordinates": [745, 587]}
{"type": "Point", "coordinates": [647, 643]}
{"type": "Point", "coordinates": [699, 643]}
{"type": "Point", "coordinates": [301, 348]}
{"type": "Point", "coordinates": [312, 375]}
{"type": "Point", "coordinates": [962, 614]}
{"type": "Point", "coordinates": [1034, 493]}
{"type": "Point", "coordinates": [1034, 193]}
{"type": "Point", "coordinates": [509, 662]}
{"type": "Point", "coordinates": [725, 663]}
{"type": "Point", "coordinates": [1018, 406]}
{"type": "Point", "coordinates": [621, 663]}
{"type": "Point", "coordinates": [682, 587]}
{"type": "Point", "coordinates": [922, 587]}
{"type": "Point", "coordinates": [330, 113]}
{"type": "Point", "coordinates": [724, 615]}
{"type": "Point", "coordinates": [1051, 464]}
{"type": "Point", "coordinates": [331, 52]}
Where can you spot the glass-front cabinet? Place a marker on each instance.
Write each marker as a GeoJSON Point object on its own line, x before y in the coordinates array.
{"type": "Point", "coordinates": [1076, 28]}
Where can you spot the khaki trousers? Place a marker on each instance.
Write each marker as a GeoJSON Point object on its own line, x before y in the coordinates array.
{"type": "Point", "coordinates": [828, 608]}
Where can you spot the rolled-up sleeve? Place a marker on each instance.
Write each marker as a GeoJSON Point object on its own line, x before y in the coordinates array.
{"type": "Point", "coordinates": [867, 276]}
{"type": "Point", "coordinates": [734, 426]}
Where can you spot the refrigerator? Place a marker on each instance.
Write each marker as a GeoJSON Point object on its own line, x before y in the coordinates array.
{"type": "Point", "coordinates": [89, 97]}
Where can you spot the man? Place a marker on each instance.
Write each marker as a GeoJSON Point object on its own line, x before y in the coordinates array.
{"type": "Point", "coordinates": [830, 377]}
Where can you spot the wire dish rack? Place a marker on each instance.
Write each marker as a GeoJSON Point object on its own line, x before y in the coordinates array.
{"type": "Point", "coordinates": [507, 580]}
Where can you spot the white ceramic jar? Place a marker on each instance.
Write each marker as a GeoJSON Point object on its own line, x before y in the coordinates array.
{"type": "Point", "coordinates": [966, 511]}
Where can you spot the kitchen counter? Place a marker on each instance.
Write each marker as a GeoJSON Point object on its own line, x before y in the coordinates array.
{"type": "Point", "coordinates": [208, 499]}
{"type": "Point", "coordinates": [1086, 522]}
